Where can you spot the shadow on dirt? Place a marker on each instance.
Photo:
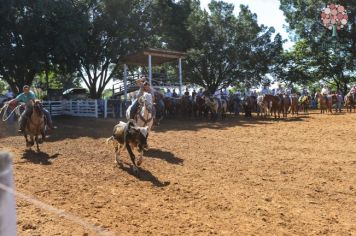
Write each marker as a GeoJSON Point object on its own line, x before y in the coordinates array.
{"type": "Point", "coordinates": [75, 127]}
{"type": "Point", "coordinates": [38, 157]}
{"type": "Point", "coordinates": [143, 175]}
{"type": "Point", "coordinates": [164, 155]}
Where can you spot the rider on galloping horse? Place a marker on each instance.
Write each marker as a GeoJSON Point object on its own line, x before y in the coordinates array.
{"type": "Point", "coordinates": [144, 87]}
{"type": "Point", "coordinates": [26, 97]}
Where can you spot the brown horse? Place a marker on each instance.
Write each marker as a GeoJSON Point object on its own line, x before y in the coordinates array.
{"type": "Point", "coordinates": [185, 105]}
{"type": "Point", "coordinates": [294, 104]}
{"type": "Point", "coordinates": [170, 106]}
{"type": "Point", "coordinates": [350, 102]}
{"type": "Point", "coordinates": [199, 107]}
{"type": "Point", "coordinates": [273, 104]}
{"type": "Point", "coordinates": [285, 104]}
{"type": "Point", "coordinates": [249, 105]}
{"type": "Point", "coordinates": [325, 102]}
{"type": "Point", "coordinates": [35, 125]}
{"type": "Point", "coordinates": [160, 108]}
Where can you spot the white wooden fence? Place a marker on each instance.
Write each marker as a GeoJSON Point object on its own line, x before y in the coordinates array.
{"type": "Point", "coordinates": [84, 108]}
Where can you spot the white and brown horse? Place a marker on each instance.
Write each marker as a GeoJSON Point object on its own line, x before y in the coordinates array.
{"type": "Point", "coordinates": [350, 102]}
{"type": "Point", "coordinates": [217, 106]}
{"type": "Point", "coordinates": [145, 114]}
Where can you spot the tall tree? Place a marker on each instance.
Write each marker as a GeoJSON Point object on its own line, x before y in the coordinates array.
{"type": "Point", "coordinates": [116, 28]}
{"type": "Point", "coordinates": [333, 64]}
{"type": "Point", "coordinates": [229, 49]}
{"type": "Point", "coordinates": [37, 36]}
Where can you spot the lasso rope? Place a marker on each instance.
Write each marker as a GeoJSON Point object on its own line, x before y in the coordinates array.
{"type": "Point", "coordinates": [5, 107]}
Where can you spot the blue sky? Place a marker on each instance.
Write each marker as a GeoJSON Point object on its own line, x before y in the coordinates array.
{"type": "Point", "coordinates": [268, 13]}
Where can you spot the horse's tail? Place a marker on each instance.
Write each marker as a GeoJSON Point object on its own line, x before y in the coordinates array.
{"type": "Point", "coordinates": [109, 140]}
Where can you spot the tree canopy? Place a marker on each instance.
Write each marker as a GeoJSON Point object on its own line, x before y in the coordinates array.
{"type": "Point", "coordinates": [36, 36]}
{"type": "Point", "coordinates": [228, 49]}
{"type": "Point", "coordinates": [315, 56]}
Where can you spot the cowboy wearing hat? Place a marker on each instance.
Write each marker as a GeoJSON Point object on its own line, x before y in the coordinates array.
{"type": "Point", "coordinates": [144, 87]}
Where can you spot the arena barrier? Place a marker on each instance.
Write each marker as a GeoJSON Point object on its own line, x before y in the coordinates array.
{"type": "Point", "coordinates": [87, 108]}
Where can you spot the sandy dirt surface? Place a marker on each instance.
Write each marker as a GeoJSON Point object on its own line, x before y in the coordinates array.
{"type": "Point", "coordinates": [236, 177]}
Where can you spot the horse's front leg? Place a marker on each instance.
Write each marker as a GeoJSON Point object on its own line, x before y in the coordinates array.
{"type": "Point", "coordinates": [27, 142]}
{"type": "Point", "coordinates": [132, 156]}
{"type": "Point", "coordinates": [32, 142]}
{"type": "Point", "coordinates": [37, 141]}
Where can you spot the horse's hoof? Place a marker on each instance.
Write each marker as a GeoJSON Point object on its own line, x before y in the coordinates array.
{"type": "Point", "coordinates": [40, 141]}
{"type": "Point", "coordinates": [135, 170]}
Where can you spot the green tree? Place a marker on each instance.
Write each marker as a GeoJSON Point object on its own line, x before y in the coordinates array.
{"type": "Point", "coordinates": [116, 28]}
{"type": "Point", "coordinates": [37, 36]}
{"type": "Point", "coordinates": [334, 64]}
{"type": "Point", "coordinates": [228, 49]}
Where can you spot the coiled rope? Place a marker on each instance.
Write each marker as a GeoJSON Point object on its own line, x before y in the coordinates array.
{"type": "Point", "coordinates": [5, 108]}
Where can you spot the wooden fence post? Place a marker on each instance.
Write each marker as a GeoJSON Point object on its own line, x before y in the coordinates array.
{"type": "Point", "coordinates": [7, 199]}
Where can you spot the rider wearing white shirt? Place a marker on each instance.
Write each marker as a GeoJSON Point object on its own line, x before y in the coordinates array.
{"type": "Point", "coordinates": [325, 91]}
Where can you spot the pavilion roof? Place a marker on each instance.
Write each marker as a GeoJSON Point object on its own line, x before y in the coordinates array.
{"type": "Point", "coordinates": [159, 56]}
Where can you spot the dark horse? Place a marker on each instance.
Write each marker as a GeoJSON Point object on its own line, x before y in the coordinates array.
{"type": "Point", "coordinates": [160, 108]}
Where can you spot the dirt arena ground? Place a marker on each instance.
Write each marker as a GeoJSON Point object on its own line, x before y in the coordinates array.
{"type": "Point", "coordinates": [237, 177]}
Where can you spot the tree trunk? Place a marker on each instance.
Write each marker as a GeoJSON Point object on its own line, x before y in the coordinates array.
{"type": "Point", "coordinates": [344, 88]}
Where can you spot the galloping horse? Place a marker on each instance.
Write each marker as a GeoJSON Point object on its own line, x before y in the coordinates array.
{"type": "Point", "coordinates": [145, 112]}
{"type": "Point", "coordinates": [35, 125]}
{"type": "Point", "coordinates": [350, 101]}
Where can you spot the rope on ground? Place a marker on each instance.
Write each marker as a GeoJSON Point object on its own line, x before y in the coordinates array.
{"type": "Point", "coordinates": [61, 213]}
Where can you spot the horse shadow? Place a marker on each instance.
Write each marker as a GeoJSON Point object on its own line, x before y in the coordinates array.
{"type": "Point", "coordinates": [164, 155]}
{"type": "Point", "coordinates": [143, 175]}
{"type": "Point", "coordinates": [38, 157]}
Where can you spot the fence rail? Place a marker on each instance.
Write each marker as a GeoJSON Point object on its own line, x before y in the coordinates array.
{"type": "Point", "coordinates": [86, 108]}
